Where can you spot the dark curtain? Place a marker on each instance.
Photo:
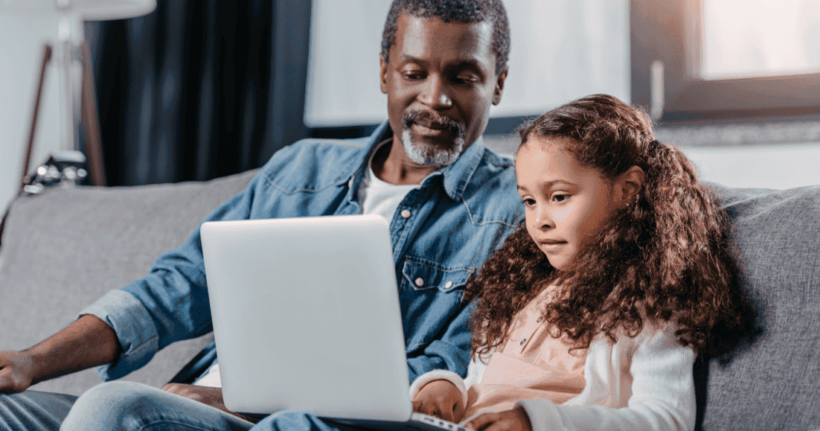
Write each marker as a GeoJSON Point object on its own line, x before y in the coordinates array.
{"type": "Point", "coordinates": [199, 89]}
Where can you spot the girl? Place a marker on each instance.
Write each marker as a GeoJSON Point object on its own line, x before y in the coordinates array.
{"type": "Point", "coordinates": [590, 316]}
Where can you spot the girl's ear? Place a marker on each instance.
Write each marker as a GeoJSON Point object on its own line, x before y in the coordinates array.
{"type": "Point", "coordinates": [630, 183]}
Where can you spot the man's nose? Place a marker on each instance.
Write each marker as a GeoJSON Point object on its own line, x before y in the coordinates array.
{"type": "Point", "coordinates": [434, 94]}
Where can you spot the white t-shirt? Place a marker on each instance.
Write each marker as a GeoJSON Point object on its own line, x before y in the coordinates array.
{"type": "Point", "coordinates": [380, 197]}
{"type": "Point", "coordinates": [375, 197]}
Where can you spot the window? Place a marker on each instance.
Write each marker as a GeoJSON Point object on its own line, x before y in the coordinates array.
{"type": "Point", "coordinates": [698, 60]}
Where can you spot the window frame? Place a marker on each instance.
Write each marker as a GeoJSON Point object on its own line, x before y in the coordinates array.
{"type": "Point", "coordinates": [663, 31]}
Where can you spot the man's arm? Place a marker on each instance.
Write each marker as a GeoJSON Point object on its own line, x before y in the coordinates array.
{"type": "Point", "coordinates": [86, 343]}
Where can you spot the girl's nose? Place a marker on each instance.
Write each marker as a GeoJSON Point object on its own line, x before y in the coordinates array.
{"type": "Point", "coordinates": [542, 219]}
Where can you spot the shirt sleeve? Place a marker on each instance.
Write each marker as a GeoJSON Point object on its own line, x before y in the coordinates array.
{"type": "Point", "coordinates": [474, 372]}
{"type": "Point", "coordinates": [663, 393]}
{"type": "Point", "coordinates": [449, 352]}
{"type": "Point", "coordinates": [434, 375]}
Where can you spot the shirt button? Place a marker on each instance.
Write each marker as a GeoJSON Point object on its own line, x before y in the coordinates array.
{"type": "Point", "coordinates": [448, 285]}
{"type": "Point", "coordinates": [523, 341]}
{"type": "Point", "coordinates": [419, 282]}
{"type": "Point", "coordinates": [405, 213]}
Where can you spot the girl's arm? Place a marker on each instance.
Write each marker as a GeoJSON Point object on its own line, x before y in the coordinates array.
{"type": "Point", "coordinates": [663, 392]}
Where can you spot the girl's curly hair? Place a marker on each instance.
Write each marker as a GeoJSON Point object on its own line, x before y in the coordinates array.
{"type": "Point", "coordinates": [665, 258]}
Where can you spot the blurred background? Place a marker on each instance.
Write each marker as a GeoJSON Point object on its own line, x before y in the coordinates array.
{"type": "Point", "coordinates": [202, 89]}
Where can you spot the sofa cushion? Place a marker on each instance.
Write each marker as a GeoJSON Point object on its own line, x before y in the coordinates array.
{"type": "Point", "coordinates": [771, 383]}
{"type": "Point", "coordinates": [66, 247]}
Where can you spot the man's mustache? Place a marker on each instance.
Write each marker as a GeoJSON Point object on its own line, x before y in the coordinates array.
{"type": "Point", "coordinates": [433, 121]}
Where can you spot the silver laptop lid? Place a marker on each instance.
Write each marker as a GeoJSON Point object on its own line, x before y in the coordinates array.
{"type": "Point", "coordinates": [306, 316]}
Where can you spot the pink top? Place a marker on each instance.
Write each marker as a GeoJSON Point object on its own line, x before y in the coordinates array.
{"type": "Point", "coordinates": [531, 365]}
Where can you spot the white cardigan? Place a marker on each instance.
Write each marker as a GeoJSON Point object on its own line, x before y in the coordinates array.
{"type": "Point", "coordinates": [641, 383]}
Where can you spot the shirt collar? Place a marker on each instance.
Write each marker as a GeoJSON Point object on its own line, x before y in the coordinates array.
{"type": "Point", "coordinates": [459, 174]}
{"type": "Point", "coordinates": [455, 176]}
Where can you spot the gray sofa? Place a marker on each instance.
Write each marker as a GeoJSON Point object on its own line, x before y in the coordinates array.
{"type": "Point", "coordinates": [63, 249]}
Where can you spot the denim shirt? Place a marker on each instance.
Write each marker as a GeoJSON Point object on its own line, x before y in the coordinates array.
{"type": "Point", "coordinates": [441, 233]}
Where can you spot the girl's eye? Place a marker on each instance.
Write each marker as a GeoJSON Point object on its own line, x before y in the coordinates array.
{"type": "Point", "coordinates": [529, 202]}
{"type": "Point", "coordinates": [560, 198]}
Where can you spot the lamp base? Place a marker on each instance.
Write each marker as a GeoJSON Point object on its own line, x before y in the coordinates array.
{"type": "Point", "coordinates": [89, 121]}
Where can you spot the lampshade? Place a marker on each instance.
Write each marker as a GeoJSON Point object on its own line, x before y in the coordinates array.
{"type": "Point", "coordinates": [90, 10]}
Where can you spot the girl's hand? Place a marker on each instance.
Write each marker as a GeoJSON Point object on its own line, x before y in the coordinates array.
{"type": "Point", "coordinates": [441, 399]}
{"type": "Point", "coordinates": [509, 420]}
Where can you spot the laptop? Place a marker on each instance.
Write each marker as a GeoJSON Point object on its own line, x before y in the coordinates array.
{"type": "Point", "coordinates": [306, 317]}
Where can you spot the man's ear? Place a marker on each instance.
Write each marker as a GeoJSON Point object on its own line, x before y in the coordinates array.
{"type": "Point", "coordinates": [631, 183]}
{"type": "Point", "coordinates": [499, 86]}
{"type": "Point", "coordinates": [383, 74]}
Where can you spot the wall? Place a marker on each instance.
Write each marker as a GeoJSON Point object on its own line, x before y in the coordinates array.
{"type": "Point", "coordinates": [561, 50]}
{"type": "Point", "coordinates": [775, 166]}
{"type": "Point", "coordinates": [21, 48]}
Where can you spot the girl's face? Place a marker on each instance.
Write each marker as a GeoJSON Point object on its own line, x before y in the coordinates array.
{"type": "Point", "coordinates": [566, 203]}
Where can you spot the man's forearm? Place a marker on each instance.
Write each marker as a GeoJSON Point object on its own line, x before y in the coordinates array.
{"type": "Point", "coordinates": [86, 343]}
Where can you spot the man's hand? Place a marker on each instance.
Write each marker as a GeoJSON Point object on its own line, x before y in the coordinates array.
{"type": "Point", "coordinates": [441, 399]}
{"type": "Point", "coordinates": [16, 371]}
{"type": "Point", "coordinates": [509, 420]}
{"type": "Point", "coordinates": [85, 343]}
{"type": "Point", "coordinates": [203, 394]}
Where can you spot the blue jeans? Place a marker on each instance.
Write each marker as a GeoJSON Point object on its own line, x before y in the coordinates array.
{"type": "Point", "coordinates": [112, 406]}
{"type": "Point", "coordinates": [32, 410]}
{"type": "Point", "coordinates": [134, 406]}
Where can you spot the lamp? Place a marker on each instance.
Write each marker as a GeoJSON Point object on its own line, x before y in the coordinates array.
{"type": "Point", "coordinates": [73, 62]}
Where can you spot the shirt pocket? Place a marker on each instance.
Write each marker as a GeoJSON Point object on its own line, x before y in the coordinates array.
{"type": "Point", "coordinates": [424, 275]}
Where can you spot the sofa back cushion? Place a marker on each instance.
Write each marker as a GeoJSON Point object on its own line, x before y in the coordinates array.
{"type": "Point", "coordinates": [771, 383]}
{"type": "Point", "coordinates": [65, 248]}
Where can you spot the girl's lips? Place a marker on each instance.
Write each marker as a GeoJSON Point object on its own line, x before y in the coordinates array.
{"type": "Point", "coordinates": [552, 245]}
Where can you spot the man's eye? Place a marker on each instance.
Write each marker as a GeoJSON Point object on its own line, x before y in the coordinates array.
{"type": "Point", "coordinates": [467, 80]}
{"type": "Point", "coordinates": [412, 75]}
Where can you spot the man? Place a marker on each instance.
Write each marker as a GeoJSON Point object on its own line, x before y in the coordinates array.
{"type": "Point", "coordinates": [450, 203]}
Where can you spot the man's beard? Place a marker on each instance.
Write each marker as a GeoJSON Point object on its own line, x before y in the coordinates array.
{"type": "Point", "coordinates": [432, 155]}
